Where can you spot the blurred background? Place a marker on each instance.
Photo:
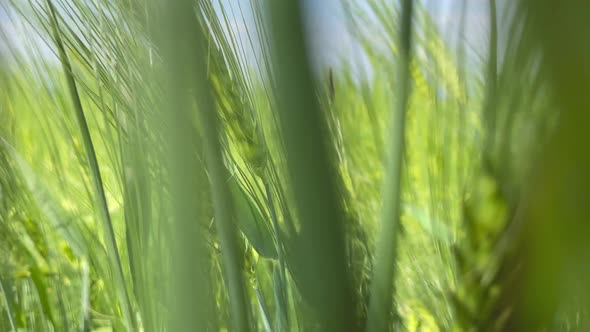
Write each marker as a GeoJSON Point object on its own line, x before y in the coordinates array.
{"type": "Point", "coordinates": [333, 165]}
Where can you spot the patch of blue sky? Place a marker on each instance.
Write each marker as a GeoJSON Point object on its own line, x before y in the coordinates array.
{"type": "Point", "coordinates": [331, 43]}
{"type": "Point", "coordinates": [326, 24]}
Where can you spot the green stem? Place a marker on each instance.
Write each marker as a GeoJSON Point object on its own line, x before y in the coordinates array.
{"type": "Point", "coordinates": [382, 288]}
{"type": "Point", "coordinates": [8, 310]}
{"type": "Point", "coordinates": [222, 201]}
{"type": "Point", "coordinates": [319, 258]}
{"type": "Point", "coordinates": [100, 197]}
{"type": "Point", "coordinates": [490, 114]}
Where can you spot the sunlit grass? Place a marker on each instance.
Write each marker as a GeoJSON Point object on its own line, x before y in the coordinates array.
{"type": "Point", "coordinates": [160, 170]}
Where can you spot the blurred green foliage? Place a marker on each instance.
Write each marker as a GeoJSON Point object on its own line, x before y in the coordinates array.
{"type": "Point", "coordinates": [160, 171]}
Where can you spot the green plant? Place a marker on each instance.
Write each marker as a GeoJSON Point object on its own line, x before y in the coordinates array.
{"type": "Point", "coordinates": [162, 171]}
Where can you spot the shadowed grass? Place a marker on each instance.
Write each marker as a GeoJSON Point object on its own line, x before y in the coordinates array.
{"type": "Point", "coordinates": [318, 251]}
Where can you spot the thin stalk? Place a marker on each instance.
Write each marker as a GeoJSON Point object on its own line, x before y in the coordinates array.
{"type": "Point", "coordinates": [85, 301]}
{"type": "Point", "coordinates": [99, 196]}
{"type": "Point", "coordinates": [382, 288]}
{"type": "Point", "coordinates": [461, 101]}
{"type": "Point", "coordinates": [490, 111]}
{"type": "Point", "coordinates": [282, 306]}
{"type": "Point", "coordinates": [222, 204]}
{"type": "Point", "coordinates": [222, 201]}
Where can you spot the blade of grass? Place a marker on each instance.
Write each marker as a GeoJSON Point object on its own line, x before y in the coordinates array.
{"type": "Point", "coordinates": [184, 52]}
{"type": "Point", "coordinates": [264, 313]}
{"type": "Point", "coordinates": [222, 200]}
{"type": "Point", "coordinates": [555, 232]}
{"type": "Point", "coordinates": [319, 251]}
{"type": "Point", "coordinates": [491, 82]}
{"type": "Point", "coordinates": [382, 288]}
{"type": "Point", "coordinates": [8, 305]}
{"type": "Point", "coordinates": [188, 295]}
{"type": "Point", "coordinates": [281, 294]}
{"type": "Point", "coordinates": [101, 202]}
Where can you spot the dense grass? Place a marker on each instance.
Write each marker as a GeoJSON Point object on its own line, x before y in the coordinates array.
{"type": "Point", "coordinates": [160, 171]}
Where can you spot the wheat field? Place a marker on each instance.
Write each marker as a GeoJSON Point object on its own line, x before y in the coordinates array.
{"type": "Point", "coordinates": [200, 165]}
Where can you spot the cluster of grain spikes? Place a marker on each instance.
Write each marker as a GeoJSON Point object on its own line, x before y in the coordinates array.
{"type": "Point", "coordinates": [489, 256]}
